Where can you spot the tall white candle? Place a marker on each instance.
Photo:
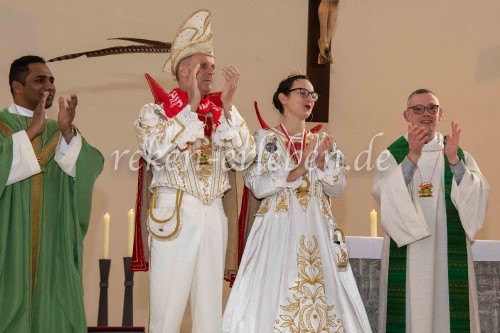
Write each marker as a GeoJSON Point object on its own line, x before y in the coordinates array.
{"type": "Point", "coordinates": [105, 245]}
{"type": "Point", "coordinates": [131, 231]}
{"type": "Point", "coordinates": [373, 223]}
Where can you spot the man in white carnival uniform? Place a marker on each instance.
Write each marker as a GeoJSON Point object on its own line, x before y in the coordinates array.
{"type": "Point", "coordinates": [189, 142]}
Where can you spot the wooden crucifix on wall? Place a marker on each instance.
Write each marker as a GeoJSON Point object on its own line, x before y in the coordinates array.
{"type": "Point", "coordinates": [321, 23]}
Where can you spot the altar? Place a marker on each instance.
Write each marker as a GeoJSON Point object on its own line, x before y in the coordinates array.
{"type": "Point", "coordinates": [366, 252]}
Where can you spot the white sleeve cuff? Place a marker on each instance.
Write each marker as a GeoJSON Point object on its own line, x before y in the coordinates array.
{"type": "Point", "coordinates": [228, 130]}
{"type": "Point", "coordinates": [330, 175]}
{"type": "Point", "coordinates": [279, 180]}
{"type": "Point", "coordinates": [335, 168]}
{"type": "Point", "coordinates": [24, 161]}
{"type": "Point", "coordinates": [236, 118]}
{"type": "Point", "coordinates": [67, 154]}
{"type": "Point", "coordinates": [191, 128]}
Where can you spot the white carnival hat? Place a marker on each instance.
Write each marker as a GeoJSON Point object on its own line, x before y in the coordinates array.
{"type": "Point", "coordinates": [193, 37]}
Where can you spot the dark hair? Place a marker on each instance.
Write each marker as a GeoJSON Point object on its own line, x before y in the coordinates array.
{"type": "Point", "coordinates": [19, 69]}
{"type": "Point", "coordinates": [418, 92]}
{"type": "Point", "coordinates": [284, 87]}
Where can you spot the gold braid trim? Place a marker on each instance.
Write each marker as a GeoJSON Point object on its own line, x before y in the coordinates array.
{"type": "Point", "coordinates": [50, 148]}
{"type": "Point", "coordinates": [37, 198]}
{"type": "Point", "coordinates": [6, 131]}
{"type": "Point", "coordinates": [159, 222]}
{"type": "Point", "coordinates": [183, 128]}
{"type": "Point", "coordinates": [36, 204]}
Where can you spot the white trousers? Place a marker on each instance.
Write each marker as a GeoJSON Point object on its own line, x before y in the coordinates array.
{"type": "Point", "coordinates": [189, 266]}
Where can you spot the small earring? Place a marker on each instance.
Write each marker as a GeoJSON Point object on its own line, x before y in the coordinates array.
{"type": "Point", "coordinates": [312, 117]}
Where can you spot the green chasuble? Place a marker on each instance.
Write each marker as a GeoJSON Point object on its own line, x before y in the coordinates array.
{"type": "Point", "coordinates": [43, 220]}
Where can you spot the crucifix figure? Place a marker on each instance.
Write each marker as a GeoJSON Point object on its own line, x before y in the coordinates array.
{"type": "Point", "coordinates": [327, 13]}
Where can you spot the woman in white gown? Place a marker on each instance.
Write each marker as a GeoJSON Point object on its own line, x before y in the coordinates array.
{"type": "Point", "coordinates": [292, 277]}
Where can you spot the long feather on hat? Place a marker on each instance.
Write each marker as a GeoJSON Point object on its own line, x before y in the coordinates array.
{"type": "Point", "coordinates": [148, 46]}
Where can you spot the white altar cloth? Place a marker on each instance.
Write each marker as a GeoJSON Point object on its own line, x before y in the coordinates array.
{"type": "Point", "coordinates": [371, 248]}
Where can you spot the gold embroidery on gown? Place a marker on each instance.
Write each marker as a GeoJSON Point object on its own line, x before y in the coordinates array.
{"type": "Point", "coordinates": [264, 206]}
{"type": "Point", "coordinates": [308, 311]}
{"type": "Point", "coordinates": [302, 193]}
{"type": "Point", "coordinates": [325, 208]}
{"type": "Point", "coordinates": [161, 127]}
{"type": "Point", "coordinates": [282, 205]}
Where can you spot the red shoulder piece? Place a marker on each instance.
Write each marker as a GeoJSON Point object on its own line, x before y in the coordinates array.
{"type": "Point", "coordinates": [261, 120]}
{"type": "Point", "coordinates": [263, 124]}
{"type": "Point", "coordinates": [159, 94]}
{"type": "Point", "coordinates": [316, 128]}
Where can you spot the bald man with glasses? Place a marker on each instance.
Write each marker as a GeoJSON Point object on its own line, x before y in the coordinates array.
{"type": "Point", "coordinates": [433, 200]}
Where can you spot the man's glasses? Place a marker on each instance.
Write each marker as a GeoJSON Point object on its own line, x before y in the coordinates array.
{"type": "Point", "coordinates": [419, 109]}
{"type": "Point", "coordinates": [304, 93]}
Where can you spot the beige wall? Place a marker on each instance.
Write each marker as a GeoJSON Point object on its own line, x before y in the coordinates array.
{"type": "Point", "coordinates": [382, 53]}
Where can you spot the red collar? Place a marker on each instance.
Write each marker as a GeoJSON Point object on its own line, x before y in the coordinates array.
{"type": "Point", "coordinates": [177, 99]}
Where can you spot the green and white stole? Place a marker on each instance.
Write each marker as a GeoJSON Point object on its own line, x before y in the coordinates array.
{"type": "Point", "coordinates": [458, 282]}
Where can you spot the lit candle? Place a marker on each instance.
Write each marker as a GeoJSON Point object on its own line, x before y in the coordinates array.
{"type": "Point", "coordinates": [105, 246]}
{"type": "Point", "coordinates": [131, 230]}
{"type": "Point", "coordinates": [373, 223]}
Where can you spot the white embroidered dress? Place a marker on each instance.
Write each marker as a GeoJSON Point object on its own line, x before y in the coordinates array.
{"type": "Point", "coordinates": [288, 280]}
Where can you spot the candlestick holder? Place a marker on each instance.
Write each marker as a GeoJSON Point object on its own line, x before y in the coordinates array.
{"type": "Point", "coordinates": [102, 315]}
{"type": "Point", "coordinates": [128, 297]}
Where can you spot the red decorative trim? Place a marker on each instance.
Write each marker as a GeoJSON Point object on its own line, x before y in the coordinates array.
{"type": "Point", "coordinates": [159, 94]}
{"type": "Point", "coordinates": [264, 125]}
{"type": "Point", "coordinates": [231, 278]}
{"type": "Point", "coordinates": [316, 128]}
{"type": "Point", "coordinates": [241, 232]}
{"type": "Point", "coordinates": [261, 120]}
{"type": "Point", "coordinates": [139, 262]}
{"type": "Point", "coordinates": [242, 222]}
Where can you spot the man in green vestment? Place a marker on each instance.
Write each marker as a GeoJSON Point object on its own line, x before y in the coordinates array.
{"type": "Point", "coordinates": [47, 174]}
{"type": "Point", "coordinates": [433, 200]}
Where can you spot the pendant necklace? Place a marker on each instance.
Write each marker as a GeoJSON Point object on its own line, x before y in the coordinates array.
{"type": "Point", "coordinates": [295, 153]}
{"type": "Point", "coordinates": [302, 190]}
{"type": "Point", "coordinates": [44, 136]}
{"type": "Point", "coordinates": [426, 188]}
{"type": "Point", "coordinates": [204, 150]}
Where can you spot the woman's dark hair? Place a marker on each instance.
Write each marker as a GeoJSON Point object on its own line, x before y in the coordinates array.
{"type": "Point", "coordinates": [284, 87]}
